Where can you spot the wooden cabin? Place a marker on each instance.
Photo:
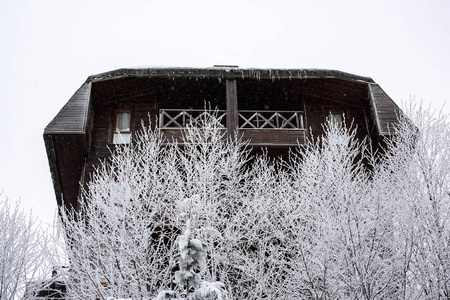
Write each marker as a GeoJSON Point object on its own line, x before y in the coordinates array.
{"type": "Point", "coordinates": [272, 108]}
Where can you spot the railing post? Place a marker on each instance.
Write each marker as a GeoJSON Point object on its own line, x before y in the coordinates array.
{"type": "Point", "coordinates": [232, 107]}
{"type": "Point", "coordinates": [161, 118]}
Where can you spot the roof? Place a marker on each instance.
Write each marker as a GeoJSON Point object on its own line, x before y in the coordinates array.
{"type": "Point", "coordinates": [227, 73]}
{"type": "Point", "coordinates": [385, 109]}
{"type": "Point", "coordinates": [73, 116]}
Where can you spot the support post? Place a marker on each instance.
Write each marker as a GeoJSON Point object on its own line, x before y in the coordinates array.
{"type": "Point", "coordinates": [232, 107]}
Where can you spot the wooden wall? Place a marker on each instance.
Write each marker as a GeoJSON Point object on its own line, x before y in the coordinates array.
{"type": "Point", "coordinates": [316, 112]}
{"type": "Point", "coordinates": [102, 129]}
{"type": "Point", "coordinates": [144, 96]}
{"type": "Point", "coordinates": [70, 155]}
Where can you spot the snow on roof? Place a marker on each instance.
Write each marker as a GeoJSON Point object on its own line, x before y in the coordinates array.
{"type": "Point", "coordinates": [225, 71]}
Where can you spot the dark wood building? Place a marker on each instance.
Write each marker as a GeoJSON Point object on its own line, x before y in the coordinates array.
{"type": "Point", "coordinates": [273, 108]}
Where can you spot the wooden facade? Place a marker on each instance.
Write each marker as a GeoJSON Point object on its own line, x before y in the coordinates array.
{"type": "Point", "coordinates": [272, 108]}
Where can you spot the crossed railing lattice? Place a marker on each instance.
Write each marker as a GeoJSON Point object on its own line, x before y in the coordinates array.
{"type": "Point", "coordinates": [176, 118]}
{"type": "Point", "coordinates": [248, 119]}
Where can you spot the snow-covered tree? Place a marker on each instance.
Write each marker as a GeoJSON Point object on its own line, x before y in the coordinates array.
{"type": "Point", "coordinates": [191, 257]}
{"type": "Point", "coordinates": [22, 258]}
{"type": "Point", "coordinates": [120, 242]}
{"type": "Point", "coordinates": [416, 178]}
{"type": "Point", "coordinates": [339, 229]}
{"type": "Point", "coordinates": [335, 221]}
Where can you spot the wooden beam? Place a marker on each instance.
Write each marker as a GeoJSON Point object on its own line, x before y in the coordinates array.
{"type": "Point", "coordinates": [232, 107]}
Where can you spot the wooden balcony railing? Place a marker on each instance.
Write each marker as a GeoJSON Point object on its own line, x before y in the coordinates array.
{"type": "Point", "coordinates": [287, 120]}
{"type": "Point", "coordinates": [248, 119]}
{"type": "Point", "coordinates": [176, 118]}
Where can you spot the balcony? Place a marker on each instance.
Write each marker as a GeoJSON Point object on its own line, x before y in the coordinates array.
{"type": "Point", "coordinates": [262, 128]}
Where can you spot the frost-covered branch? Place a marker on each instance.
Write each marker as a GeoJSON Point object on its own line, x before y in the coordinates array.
{"type": "Point", "coordinates": [22, 259]}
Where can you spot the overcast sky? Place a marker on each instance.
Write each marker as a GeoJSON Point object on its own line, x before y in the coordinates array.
{"type": "Point", "coordinates": [48, 48]}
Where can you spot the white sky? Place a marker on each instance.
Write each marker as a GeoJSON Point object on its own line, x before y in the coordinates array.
{"type": "Point", "coordinates": [48, 48]}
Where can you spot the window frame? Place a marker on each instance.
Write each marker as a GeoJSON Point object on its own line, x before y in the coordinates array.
{"type": "Point", "coordinates": [116, 112]}
{"type": "Point", "coordinates": [331, 112]}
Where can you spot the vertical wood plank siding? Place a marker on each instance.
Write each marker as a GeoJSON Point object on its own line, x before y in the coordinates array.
{"type": "Point", "coordinates": [70, 154]}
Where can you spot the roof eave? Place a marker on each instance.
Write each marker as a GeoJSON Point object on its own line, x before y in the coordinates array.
{"type": "Point", "coordinates": [227, 73]}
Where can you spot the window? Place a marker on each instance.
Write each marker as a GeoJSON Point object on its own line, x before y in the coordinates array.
{"type": "Point", "coordinates": [122, 127]}
{"type": "Point", "coordinates": [336, 118]}
{"type": "Point", "coordinates": [336, 136]}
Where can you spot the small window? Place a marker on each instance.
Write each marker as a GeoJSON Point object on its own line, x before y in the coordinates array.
{"type": "Point", "coordinates": [122, 127]}
{"type": "Point", "coordinates": [336, 118]}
